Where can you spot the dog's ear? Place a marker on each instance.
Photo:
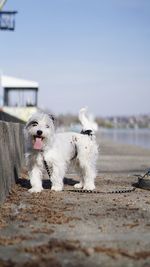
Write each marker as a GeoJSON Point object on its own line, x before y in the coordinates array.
{"type": "Point", "coordinates": [52, 118]}
{"type": "Point", "coordinates": [27, 124]}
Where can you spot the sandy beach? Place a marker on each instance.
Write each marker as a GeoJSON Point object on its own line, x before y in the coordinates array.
{"type": "Point", "coordinates": [81, 229]}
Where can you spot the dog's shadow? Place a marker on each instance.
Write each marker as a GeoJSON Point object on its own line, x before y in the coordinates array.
{"type": "Point", "coordinates": [45, 183]}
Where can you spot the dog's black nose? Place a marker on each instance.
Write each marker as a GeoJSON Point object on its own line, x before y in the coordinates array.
{"type": "Point", "coordinates": [39, 132]}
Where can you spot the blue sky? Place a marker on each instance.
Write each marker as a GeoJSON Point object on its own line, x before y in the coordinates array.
{"type": "Point", "coordinates": [93, 53]}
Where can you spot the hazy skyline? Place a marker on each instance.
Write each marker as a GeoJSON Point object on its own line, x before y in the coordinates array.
{"type": "Point", "coordinates": [91, 53]}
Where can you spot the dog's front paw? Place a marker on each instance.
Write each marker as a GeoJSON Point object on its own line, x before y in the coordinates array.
{"type": "Point", "coordinates": [78, 185]}
{"type": "Point", "coordinates": [89, 187]}
{"type": "Point", "coordinates": [35, 189]}
{"type": "Point", "coordinates": [56, 188]}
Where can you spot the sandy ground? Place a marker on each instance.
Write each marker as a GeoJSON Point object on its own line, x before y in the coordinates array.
{"type": "Point", "coordinates": [77, 229]}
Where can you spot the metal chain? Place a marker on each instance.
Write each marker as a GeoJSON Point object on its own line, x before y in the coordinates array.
{"type": "Point", "coordinates": [121, 191]}
{"type": "Point", "coordinates": [48, 169]}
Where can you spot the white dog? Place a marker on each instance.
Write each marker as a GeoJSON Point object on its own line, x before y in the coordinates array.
{"type": "Point", "coordinates": [58, 150]}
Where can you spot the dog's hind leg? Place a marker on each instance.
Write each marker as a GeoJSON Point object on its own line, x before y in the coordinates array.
{"type": "Point", "coordinates": [87, 165]}
{"type": "Point", "coordinates": [81, 183]}
{"type": "Point", "coordinates": [88, 172]}
{"type": "Point", "coordinates": [35, 177]}
{"type": "Point", "coordinates": [89, 177]}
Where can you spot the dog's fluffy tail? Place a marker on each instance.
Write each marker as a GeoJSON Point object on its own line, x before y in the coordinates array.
{"type": "Point", "coordinates": [87, 121]}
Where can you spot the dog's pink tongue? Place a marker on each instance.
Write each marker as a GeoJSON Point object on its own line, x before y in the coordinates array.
{"type": "Point", "coordinates": [38, 144]}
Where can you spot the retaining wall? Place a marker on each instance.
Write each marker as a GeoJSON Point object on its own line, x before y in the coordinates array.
{"type": "Point", "coordinates": [11, 155]}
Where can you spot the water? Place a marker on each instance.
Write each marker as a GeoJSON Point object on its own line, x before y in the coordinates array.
{"type": "Point", "coordinates": [138, 137]}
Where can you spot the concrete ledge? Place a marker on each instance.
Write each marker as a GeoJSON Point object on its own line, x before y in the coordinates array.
{"type": "Point", "coordinates": [11, 155]}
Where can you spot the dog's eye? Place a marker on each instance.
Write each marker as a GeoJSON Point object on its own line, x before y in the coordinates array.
{"type": "Point", "coordinates": [47, 126]}
{"type": "Point", "coordinates": [34, 123]}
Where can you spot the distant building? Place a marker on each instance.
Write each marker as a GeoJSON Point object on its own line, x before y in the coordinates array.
{"type": "Point", "coordinates": [18, 97]}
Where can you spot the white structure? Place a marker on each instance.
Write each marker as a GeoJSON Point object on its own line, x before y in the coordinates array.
{"type": "Point", "coordinates": [18, 92]}
{"type": "Point", "coordinates": [8, 81]}
{"type": "Point", "coordinates": [19, 97]}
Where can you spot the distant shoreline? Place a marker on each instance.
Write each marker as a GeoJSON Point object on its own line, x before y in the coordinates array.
{"type": "Point", "coordinates": [137, 137]}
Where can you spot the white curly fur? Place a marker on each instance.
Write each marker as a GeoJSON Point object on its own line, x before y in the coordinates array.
{"type": "Point", "coordinates": [59, 150]}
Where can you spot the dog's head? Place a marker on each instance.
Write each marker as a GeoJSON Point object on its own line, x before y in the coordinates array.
{"type": "Point", "coordinates": [40, 129]}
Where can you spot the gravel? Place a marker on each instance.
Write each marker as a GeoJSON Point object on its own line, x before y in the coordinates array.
{"type": "Point", "coordinates": [81, 229]}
